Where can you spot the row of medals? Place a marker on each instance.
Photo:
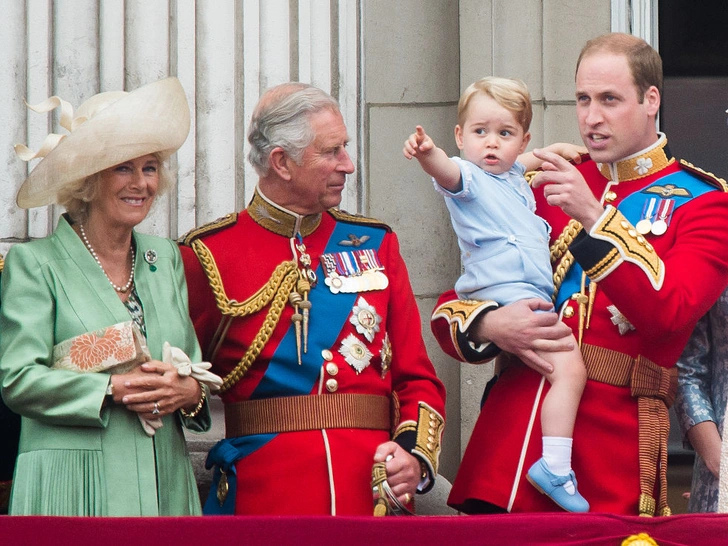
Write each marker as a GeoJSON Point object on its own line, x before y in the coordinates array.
{"type": "Point", "coordinates": [655, 208]}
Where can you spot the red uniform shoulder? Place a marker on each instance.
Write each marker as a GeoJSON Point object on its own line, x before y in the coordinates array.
{"type": "Point", "coordinates": [343, 216]}
{"type": "Point", "coordinates": [710, 178]}
{"type": "Point", "coordinates": [208, 229]}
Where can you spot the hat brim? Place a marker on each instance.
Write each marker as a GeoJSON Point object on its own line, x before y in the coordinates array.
{"type": "Point", "coordinates": [152, 119]}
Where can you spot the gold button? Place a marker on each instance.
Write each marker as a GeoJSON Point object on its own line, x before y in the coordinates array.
{"type": "Point", "coordinates": [641, 240]}
{"type": "Point", "coordinates": [649, 247]}
{"type": "Point", "coordinates": [624, 224]}
{"type": "Point", "coordinates": [430, 430]}
{"type": "Point", "coordinates": [568, 312]}
{"type": "Point", "coordinates": [327, 355]}
{"type": "Point", "coordinates": [332, 385]}
{"type": "Point", "coordinates": [632, 233]}
{"type": "Point", "coordinates": [430, 446]}
{"type": "Point", "coordinates": [331, 368]}
{"type": "Point", "coordinates": [611, 196]}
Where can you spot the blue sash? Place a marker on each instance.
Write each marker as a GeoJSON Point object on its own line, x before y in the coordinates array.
{"type": "Point", "coordinates": [284, 376]}
{"type": "Point", "coordinates": [631, 207]}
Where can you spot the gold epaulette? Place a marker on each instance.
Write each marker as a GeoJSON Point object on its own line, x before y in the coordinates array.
{"type": "Point", "coordinates": [207, 229]}
{"type": "Point", "coordinates": [712, 179]}
{"type": "Point", "coordinates": [343, 216]}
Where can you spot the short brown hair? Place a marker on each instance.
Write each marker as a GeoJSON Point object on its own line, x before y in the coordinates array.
{"type": "Point", "coordinates": [511, 94]}
{"type": "Point", "coordinates": [644, 62]}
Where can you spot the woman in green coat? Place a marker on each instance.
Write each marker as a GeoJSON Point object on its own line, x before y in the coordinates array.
{"type": "Point", "coordinates": [83, 447]}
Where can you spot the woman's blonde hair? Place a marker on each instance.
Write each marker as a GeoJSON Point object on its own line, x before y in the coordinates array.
{"type": "Point", "coordinates": [511, 94]}
{"type": "Point", "coordinates": [76, 196]}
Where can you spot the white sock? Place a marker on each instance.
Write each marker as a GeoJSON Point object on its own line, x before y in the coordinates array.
{"type": "Point", "coordinates": [557, 454]}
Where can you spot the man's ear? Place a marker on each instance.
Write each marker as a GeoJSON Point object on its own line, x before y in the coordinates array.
{"type": "Point", "coordinates": [652, 100]}
{"type": "Point", "coordinates": [279, 163]}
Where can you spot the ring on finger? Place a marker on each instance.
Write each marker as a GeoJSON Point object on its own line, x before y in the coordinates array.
{"type": "Point", "coordinates": [155, 411]}
{"type": "Point", "coordinates": [407, 498]}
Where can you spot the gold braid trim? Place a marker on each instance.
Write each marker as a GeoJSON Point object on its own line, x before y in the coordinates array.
{"type": "Point", "coordinates": [560, 272]}
{"type": "Point", "coordinates": [275, 292]}
{"type": "Point", "coordinates": [343, 216]}
{"type": "Point", "coordinates": [629, 246]}
{"type": "Point", "coordinates": [561, 245]}
{"type": "Point", "coordinates": [255, 302]}
{"type": "Point", "coordinates": [209, 228]}
{"type": "Point", "coordinates": [560, 254]}
{"type": "Point", "coordinates": [428, 439]}
{"type": "Point", "coordinates": [430, 426]}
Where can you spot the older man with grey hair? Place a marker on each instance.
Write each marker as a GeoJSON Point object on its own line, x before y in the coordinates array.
{"type": "Point", "coordinates": [308, 314]}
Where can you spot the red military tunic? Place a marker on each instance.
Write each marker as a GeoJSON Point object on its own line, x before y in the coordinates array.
{"type": "Point", "coordinates": [377, 350]}
{"type": "Point", "coordinates": [650, 292]}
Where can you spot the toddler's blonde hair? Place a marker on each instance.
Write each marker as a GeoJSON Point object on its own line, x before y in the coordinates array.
{"type": "Point", "coordinates": [511, 94]}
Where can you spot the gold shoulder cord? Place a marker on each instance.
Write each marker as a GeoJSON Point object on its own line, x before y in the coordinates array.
{"type": "Point", "coordinates": [560, 253]}
{"type": "Point", "coordinates": [275, 292]}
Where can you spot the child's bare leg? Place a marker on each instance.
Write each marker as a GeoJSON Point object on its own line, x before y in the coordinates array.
{"type": "Point", "coordinates": [558, 411]}
{"type": "Point", "coordinates": [552, 474]}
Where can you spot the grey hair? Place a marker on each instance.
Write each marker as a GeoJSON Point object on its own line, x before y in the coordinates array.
{"type": "Point", "coordinates": [76, 196]}
{"type": "Point", "coordinates": [282, 119]}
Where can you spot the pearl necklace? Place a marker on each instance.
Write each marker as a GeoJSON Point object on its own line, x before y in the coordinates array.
{"type": "Point", "coordinates": [121, 289]}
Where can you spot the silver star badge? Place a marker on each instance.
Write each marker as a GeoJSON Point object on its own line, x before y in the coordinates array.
{"type": "Point", "coordinates": [365, 319]}
{"type": "Point", "coordinates": [355, 353]}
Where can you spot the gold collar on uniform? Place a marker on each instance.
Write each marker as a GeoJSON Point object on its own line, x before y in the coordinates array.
{"type": "Point", "coordinates": [280, 220]}
{"type": "Point", "coordinates": [639, 165]}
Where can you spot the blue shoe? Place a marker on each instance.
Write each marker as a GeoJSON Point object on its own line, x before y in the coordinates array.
{"type": "Point", "coordinates": [552, 486]}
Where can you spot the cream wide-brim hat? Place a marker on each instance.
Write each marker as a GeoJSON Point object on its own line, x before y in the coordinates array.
{"type": "Point", "coordinates": [108, 129]}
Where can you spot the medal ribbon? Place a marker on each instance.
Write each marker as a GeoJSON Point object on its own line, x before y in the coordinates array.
{"type": "Point", "coordinates": [649, 208]}
{"type": "Point", "coordinates": [665, 210]}
{"type": "Point", "coordinates": [633, 205]}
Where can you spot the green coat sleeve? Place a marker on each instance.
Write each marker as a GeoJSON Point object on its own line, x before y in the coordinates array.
{"type": "Point", "coordinates": [27, 336]}
{"type": "Point", "coordinates": [52, 290]}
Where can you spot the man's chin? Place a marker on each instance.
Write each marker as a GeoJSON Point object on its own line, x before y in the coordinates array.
{"type": "Point", "coordinates": [333, 201]}
{"type": "Point", "coordinates": [602, 156]}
